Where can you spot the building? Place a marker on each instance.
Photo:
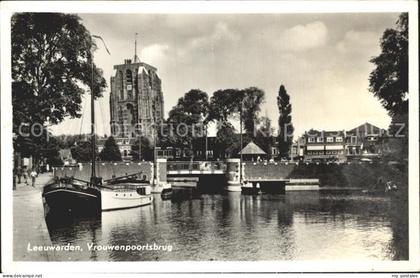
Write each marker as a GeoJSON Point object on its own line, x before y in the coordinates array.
{"type": "Point", "coordinates": [364, 141]}
{"type": "Point", "coordinates": [252, 152]}
{"type": "Point", "coordinates": [136, 102]}
{"type": "Point", "coordinates": [66, 157]}
{"type": "Point", "coordinates": [136, 99]}
{"type": "Point", "coordinates": [325, 145]}
{"type": "Point", "coordinates": [124, 145]}
{"type": "Point", "coordinates": [298, 148]}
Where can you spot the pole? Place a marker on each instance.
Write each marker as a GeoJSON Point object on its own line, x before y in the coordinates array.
{"type": "Point", "coordinates": [206, 145]}
{"type": "Point", "coordinates": [140, 147]}
{"type": "Point", "coordinates": [240, 131]}
{"type": "Point", "coordinates": [92, 105]}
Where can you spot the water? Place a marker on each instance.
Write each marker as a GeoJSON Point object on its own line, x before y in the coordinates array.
{"type": "Point", "coordinates": [231, 226]}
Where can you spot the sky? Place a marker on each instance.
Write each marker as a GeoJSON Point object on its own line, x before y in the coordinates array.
{"type": "Point", "coordinates": [321, 59]}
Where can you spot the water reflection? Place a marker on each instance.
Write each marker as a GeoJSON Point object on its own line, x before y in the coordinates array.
{"type": "Point", "coordinates": [231, 226]}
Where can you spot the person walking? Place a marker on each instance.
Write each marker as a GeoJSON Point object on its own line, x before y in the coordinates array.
{"type": "Point", "coordinates": [19, 174]}
{"type": "Point", "coordinates": [25, 174]}
{"type": "Point", "coordinates": [34, 174]}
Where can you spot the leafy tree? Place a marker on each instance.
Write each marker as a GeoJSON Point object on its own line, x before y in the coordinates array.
{"type": "Point", "coordinates": [389, 80]}
{"type": "Point", "coordinates": [52, 57]}
{"type": "Point", "coordinates": [187, 116]}
{"type": "Point", "coordinates": [224, 103]}
{"type": "Point", "coordinates": [389, 83]}
{"type": "Point", "coordinates": [227, 141]}
{"type": "Point", "coordinates": [252, 100]}
{"type": "Point", "coordinates": [82, 151]}
{"type": "Point", "coordinates": [147, 149]}
{"type": "Point", "coordinates": [231, 103]}
{"type": "Point", "coordinates": [264, 136]}
{"type": "Point", "coordinates": [286, 128]}
{"type": "Point", "coordinates": [111, 151]}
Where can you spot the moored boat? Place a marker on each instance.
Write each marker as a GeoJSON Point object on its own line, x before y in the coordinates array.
{"type": "Point", "coordinates": [166, 194]}
{"type": "Point", "coordinates": [69, 195]}
{"type": "Point", "coordinates": [249, 188]}
{"type": "Point", "coordinates": [124, 196]}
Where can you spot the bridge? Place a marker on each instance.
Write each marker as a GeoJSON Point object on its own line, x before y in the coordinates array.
{"type": "Point", "coordinates": [195, 168]}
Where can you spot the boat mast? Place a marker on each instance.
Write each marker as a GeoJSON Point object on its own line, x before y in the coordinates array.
{"type": "Point", "coordinates": [93, 178]}
{"type": "Point", "coordinates": [241, 143]}
{"type": "Point", "coordinates": [92, 117]}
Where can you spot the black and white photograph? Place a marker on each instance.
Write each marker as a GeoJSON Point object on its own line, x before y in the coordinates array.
{"type": "Point", "coordinates": [241, 139]}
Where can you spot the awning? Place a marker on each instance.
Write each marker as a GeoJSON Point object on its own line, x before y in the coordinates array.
{"type": "Point", "coordinates": [315, 148]}
{"type": "Point", "coordinates": [334, 147]}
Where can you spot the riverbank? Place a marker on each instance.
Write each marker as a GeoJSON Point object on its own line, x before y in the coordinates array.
{"type": "Point", "coordinates": [354, 174]}
{"type": "Point", "coordinates": [29, 227]}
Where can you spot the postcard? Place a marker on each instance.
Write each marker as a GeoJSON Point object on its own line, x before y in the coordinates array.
{"type": "Point", "coordinates": [209, 137]}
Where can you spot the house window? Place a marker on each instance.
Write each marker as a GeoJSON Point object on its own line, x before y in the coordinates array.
{"type": "Point", "coordinates": [320, 139]}
{"type": "Point", "coordinates": [311, 139]}
{"type": "Point", "coordinates": [330, 139]}
{"type": "Point", "coordinates": [339, 139]}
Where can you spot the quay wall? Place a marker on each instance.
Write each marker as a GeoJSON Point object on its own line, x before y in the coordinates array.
{"type": "Point", "coordinates": [355, 174]}
{"type": "Point", "coordinates": [267, 171]}
{"type": "Point", "coordinates": [106, 170]}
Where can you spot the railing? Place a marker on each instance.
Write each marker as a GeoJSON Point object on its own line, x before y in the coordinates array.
{"type": "Point", "coordinates": [195, 166]}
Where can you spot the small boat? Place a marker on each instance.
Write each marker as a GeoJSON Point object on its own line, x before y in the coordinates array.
{"type": "Point", "coordinates": [125, 192]}
{"type": "Point", "coordinates": [249, 188]}
{"type": "Point", "coordinates": [166, 193]}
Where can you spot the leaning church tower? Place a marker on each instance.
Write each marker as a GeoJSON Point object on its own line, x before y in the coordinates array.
{"type": "Point", "coordinates": [136, 98]}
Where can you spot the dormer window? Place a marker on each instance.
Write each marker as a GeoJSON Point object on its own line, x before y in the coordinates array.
{"type": "Point", "coordinates": [339, 139]}
{"type": "Point", "coordinates": [320, 139]}
{"type": "Point", "coordinates": [330, 139]}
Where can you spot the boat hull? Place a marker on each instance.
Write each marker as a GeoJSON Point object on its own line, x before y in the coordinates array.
{"type": "Point", "coordinates": [114, 200]}
{"type": "Point", "coordinates": [72, 201]}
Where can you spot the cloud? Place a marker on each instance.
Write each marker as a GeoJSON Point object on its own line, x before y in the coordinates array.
{"type": "Point", "coordinates": [365, 42]}
{"type": "Point", "coordinates": [221, 34]}
{"type": "Point", "coordinates": [155, 53]}
{"type": "Point", "coordinates": [304, 37]}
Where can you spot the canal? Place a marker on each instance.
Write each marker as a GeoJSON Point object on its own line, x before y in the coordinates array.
{"type": "Point", "coordinates": [230, 226]}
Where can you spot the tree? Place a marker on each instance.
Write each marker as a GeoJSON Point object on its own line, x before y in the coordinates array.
{"type": "Point", "coordinates": [230, 103]}
{"type": "Point", "coordinates": [286, 128]}
{"type": "Point", "coordinates": [224, 103]}
{"type": "Point", "coordinates": [389, 83]}
{"type": "Point", "coordinates": [227, 141]}
{"type": "Point", "coordinates": [82, 151]}
{"type": "Point", "coordinates": [52, 56]}
{"type": "Point", "coordinates": [389, 80]}
{"type": "Point", "coordinates": [111, 151]}
{"type": "Point", "coordinates": [146, 149]}
{"type": "Point", "coordinates": [264, 136]}
{"type": "Point", "coordinates": [252, 100]}
{"type": "Point", "coordinates": [188, 117]}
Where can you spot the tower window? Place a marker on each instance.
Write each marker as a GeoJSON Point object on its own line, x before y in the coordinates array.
{"type": "Point", "coordinates": [121, 84]}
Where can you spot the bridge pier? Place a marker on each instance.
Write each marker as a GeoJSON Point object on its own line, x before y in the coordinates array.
{"type": "Point", "coordinates": [233, 168]}
{"type": "Point", "coordinates": [160, 176]}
